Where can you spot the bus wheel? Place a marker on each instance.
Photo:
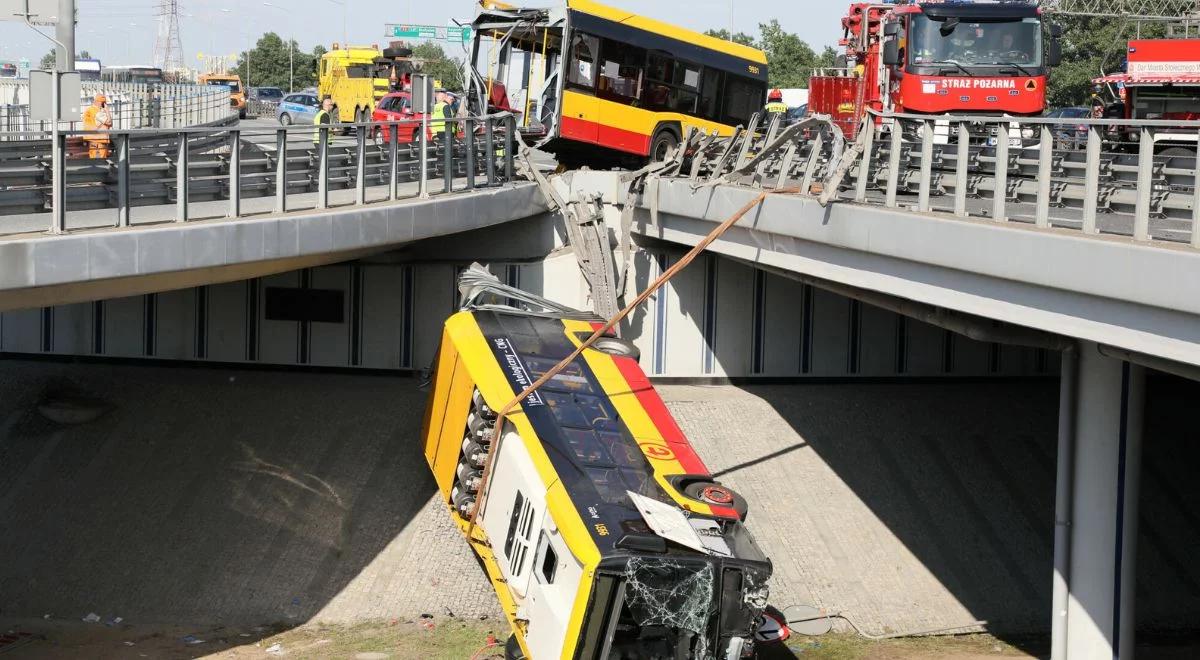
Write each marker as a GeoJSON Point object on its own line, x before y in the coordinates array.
{"type": "Point", "coordinates": [662, 144]}
{"type": "Point", "coordinates": [713, 493]}
{"type": "Point", "coordinates": [512, 649]}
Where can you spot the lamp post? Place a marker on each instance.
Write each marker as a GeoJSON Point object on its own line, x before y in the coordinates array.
{"type": "Point", "coordinates": [291, 50]}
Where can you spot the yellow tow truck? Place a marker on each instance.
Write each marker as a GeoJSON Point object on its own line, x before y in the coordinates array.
{"type": "Point", "coordinates": [356, 77]}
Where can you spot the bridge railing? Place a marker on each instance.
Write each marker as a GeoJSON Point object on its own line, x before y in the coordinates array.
{"type": "Point", "coordinates": [1133, 178]}
{"type": "Point", "coordinates": [132, 105]}
{"type": "Point", "coordinates": [153, 176]}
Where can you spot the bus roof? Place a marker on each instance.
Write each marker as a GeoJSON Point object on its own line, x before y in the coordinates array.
{"type": "Point", "coordinates": [666, 29]}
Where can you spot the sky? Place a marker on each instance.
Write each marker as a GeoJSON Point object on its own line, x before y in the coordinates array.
{"type": "Point", "coordinates": [123, 31]}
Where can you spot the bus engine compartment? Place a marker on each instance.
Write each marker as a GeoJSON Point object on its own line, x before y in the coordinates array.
{"type": "Point", "coordinates": [604, 535]}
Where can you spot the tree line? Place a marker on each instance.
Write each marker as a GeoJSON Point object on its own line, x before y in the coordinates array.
{"type": "Point", "coordinates": [790, 60]}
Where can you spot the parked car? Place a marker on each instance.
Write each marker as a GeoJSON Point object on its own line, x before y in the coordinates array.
{"type": "Point", "coordinates": [397, 106]}
{"type": "Point", "coordinates": [298, 109]}
{"type": "Point", "coordinates": [1068, 135]}
{"type": "Point", "coordinates": [267, 94]}
{"type": "Point", "coordinates": [795, 114]}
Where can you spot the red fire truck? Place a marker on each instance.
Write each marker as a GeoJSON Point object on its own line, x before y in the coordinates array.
{"type": "Point", "coordinates": [988, 57]}
{"type": "Point", "coordinates": [1161, 81]}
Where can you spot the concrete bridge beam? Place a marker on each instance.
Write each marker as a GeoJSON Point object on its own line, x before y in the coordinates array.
{"type": "Point", "coordinates": [1095, 572]}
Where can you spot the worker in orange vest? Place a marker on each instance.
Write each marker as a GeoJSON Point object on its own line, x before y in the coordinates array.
{"type": "Point", "coordinates": [97, 118]}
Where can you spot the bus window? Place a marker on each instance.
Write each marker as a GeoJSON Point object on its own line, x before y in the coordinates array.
{"type": "Point", "coordinates": [548, 567]}
{"type": "Point", "coordinates": [621, 73]}
{"type": "Point", "coordinates": [710, 94]}
{"type": "Point", "coordinates": [743, 98]}
{"type": "Point", "coordinates": [582, 73]}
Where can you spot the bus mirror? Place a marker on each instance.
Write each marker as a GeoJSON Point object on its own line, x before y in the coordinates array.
{"type": "Point", "coordinates": [891, 52]}
{"type": "Point", "coordinates": [1054, 53]}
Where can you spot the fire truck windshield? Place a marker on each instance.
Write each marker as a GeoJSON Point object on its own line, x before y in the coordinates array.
{"type": "Point", "coordinates": [1014, 43]}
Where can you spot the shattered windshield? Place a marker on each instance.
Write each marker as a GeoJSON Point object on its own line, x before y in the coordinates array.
{"type": "Point", "coordinates": [674, 596]}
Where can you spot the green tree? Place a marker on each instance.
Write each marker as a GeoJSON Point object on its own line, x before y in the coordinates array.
{"type": "Point", "coordinates": [433, 61]}
{"type": "Point", "coordinates": [738, 37]}
{"type": "Point", "coordinates": [1092, 47]}
{"type": "Point", "coordinates": [268, 64]}
{"type": "Point", "coordinates": [50, 59]}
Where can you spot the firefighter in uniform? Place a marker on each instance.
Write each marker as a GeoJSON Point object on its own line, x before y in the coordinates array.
{"type": "Point", "coordinates": [775, 102]}
{"type": "Point", "coordinates": [97, 118]}
{"type": "Point", "coordinates": [324, 117]}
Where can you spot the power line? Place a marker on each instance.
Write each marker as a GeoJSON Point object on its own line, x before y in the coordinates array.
{"type": "Point", "coordinates": [1125, 8]}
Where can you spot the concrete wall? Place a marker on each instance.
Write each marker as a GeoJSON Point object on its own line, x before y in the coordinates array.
{"type": "Point", "coordinates": [718, 318]}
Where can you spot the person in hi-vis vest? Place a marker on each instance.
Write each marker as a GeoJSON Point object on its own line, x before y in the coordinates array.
{"type": "Point", "coordinates": [324, 116]}
{"type": "Point", "coordinates": [775, 101]}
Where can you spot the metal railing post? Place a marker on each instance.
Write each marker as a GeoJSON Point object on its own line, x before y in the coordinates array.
{"type": "Point", "coordinates": [423, 184]}
{"type": "Point", "coordinates": [489, 143]}
{"type": "Point", "coordinates": [281, 166]}
{"type": "Point", "coordinates": [123, 211]}
{"type": "Point", "coordinates": [864, 166]}
{"type": "Point", "coordinates": [1000, 194]}
{"type": "Point", "coordinates": [1196, 203]}
{"type": "Point", "coordinates": [323, 168]}
{"type": "Point", "coordinates": [960, 169]}
{"type": "Point", "coordinates": [449, 128]}
{"type": "Point", "coordinates": [469, 144]}
{"type": "Point", "coordinates": [1145, 184]}
{"type": "Point", "coordinates": [58, 194]}
{"type": "Point", "coordinates": [1045, 164]}
{"type": "Point", "coordinates": [510, 145]}
{"type": "Point", "coordinates": [810, 168]}
{"type": "Point", "coordinates": [893, 180]}
{"type": "Point", "coordinates": [360, 169]}
{"type": "Point", "coordinates": [181, 180]}
{"type": "Point", "coordinates": [1091, 180]}
{"type": "Point", "coordinates": [394, 162]}
{"type": "Point", "coordinates": [926, 166]}
{"type": "Point", "coordinates": [235, 173]}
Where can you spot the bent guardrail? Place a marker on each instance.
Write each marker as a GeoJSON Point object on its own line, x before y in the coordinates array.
{"type": "Point", "coordinates": [1133, 178]}
{"type": "Point", "coordinates": [216, 172]}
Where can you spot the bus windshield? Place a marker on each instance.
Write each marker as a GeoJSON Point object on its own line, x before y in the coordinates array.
{"type": "Point", "coordinates": [1012, 42]}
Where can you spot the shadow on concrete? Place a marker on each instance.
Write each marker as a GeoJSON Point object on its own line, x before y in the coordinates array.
{"type": "Point", "coordinates": [962, 474]}
{"type": "Point", "coordinates": [219, 497]}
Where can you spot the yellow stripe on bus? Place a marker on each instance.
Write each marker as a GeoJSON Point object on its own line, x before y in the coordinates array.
{"type": "Point", "coordinates": [667, 30]}
{"type": "Point", "coordinates": [628, 118]}
{"type": "Point", "coordinates": [645, 431]}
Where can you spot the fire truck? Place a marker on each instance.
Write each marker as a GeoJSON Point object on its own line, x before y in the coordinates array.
{"type": "Point", "coordinates": [1161, 81]}
{"type": "Point", "coordinates": [987, 57]}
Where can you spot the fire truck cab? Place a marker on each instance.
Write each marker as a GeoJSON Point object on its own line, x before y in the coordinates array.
{"type": "Point", "coordinates": [988, 57]}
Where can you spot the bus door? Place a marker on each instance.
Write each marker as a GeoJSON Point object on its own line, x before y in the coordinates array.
{"type": "Point", "coordinates": [555, 582]}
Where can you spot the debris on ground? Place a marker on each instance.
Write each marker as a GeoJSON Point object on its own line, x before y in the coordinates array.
{"type": "Point", "coordinates": [92, 617]}
{"type": "Point", "coordinates": [275, 649]}
{"type": "Point", "coordinates": [192, 640]}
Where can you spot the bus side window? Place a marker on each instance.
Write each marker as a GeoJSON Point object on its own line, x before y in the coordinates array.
{"type": "Point", "coordinates": [621, 71]}
{"type": "Point", "coordinates": [742, 99]}
{"type": "Point", "coordinates": [710, 94]}
{"type": "Point", "coordinates": [582, 72]}
{"type": "Point", "coordinates": [548, 566]}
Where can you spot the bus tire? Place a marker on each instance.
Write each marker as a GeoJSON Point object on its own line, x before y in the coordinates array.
{"type": "Point", "coordinates": [512, 649]}
{"type": "Point", "coordinates": [721, 496]}
{"type": "Point", "coordinates": [664, 141]}
{"type": "Point", "coordinates": [285, 119]}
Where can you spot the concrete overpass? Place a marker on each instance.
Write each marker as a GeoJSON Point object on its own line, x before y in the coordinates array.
{"type": "Point", "coordinates": [1112, 306]}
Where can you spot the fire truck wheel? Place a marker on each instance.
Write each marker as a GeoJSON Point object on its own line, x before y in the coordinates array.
{"type": "Point", "coordinates": [664, 141]}
{"type": "Point", "coordinates": [512, 649]}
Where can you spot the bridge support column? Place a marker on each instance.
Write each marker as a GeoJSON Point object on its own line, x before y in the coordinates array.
{"type": "Point", "coordinates": [1096, 541]}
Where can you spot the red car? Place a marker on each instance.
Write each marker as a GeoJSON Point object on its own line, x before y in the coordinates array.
{"type": "Point", "coordinates": [397, 106]}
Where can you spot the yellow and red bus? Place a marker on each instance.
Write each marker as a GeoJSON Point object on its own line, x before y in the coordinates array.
{"type": "Point", "coordinates": [601, 529]}
{"type": "Point", "coordinates": [593, 83]}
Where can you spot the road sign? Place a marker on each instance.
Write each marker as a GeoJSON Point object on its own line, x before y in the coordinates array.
{"type": "Point", "coordinates": [41, 96]}
{"type": "Point", "coordinates": [438, 32]}
{"type": "Point", "coordinates": [42, 12]}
